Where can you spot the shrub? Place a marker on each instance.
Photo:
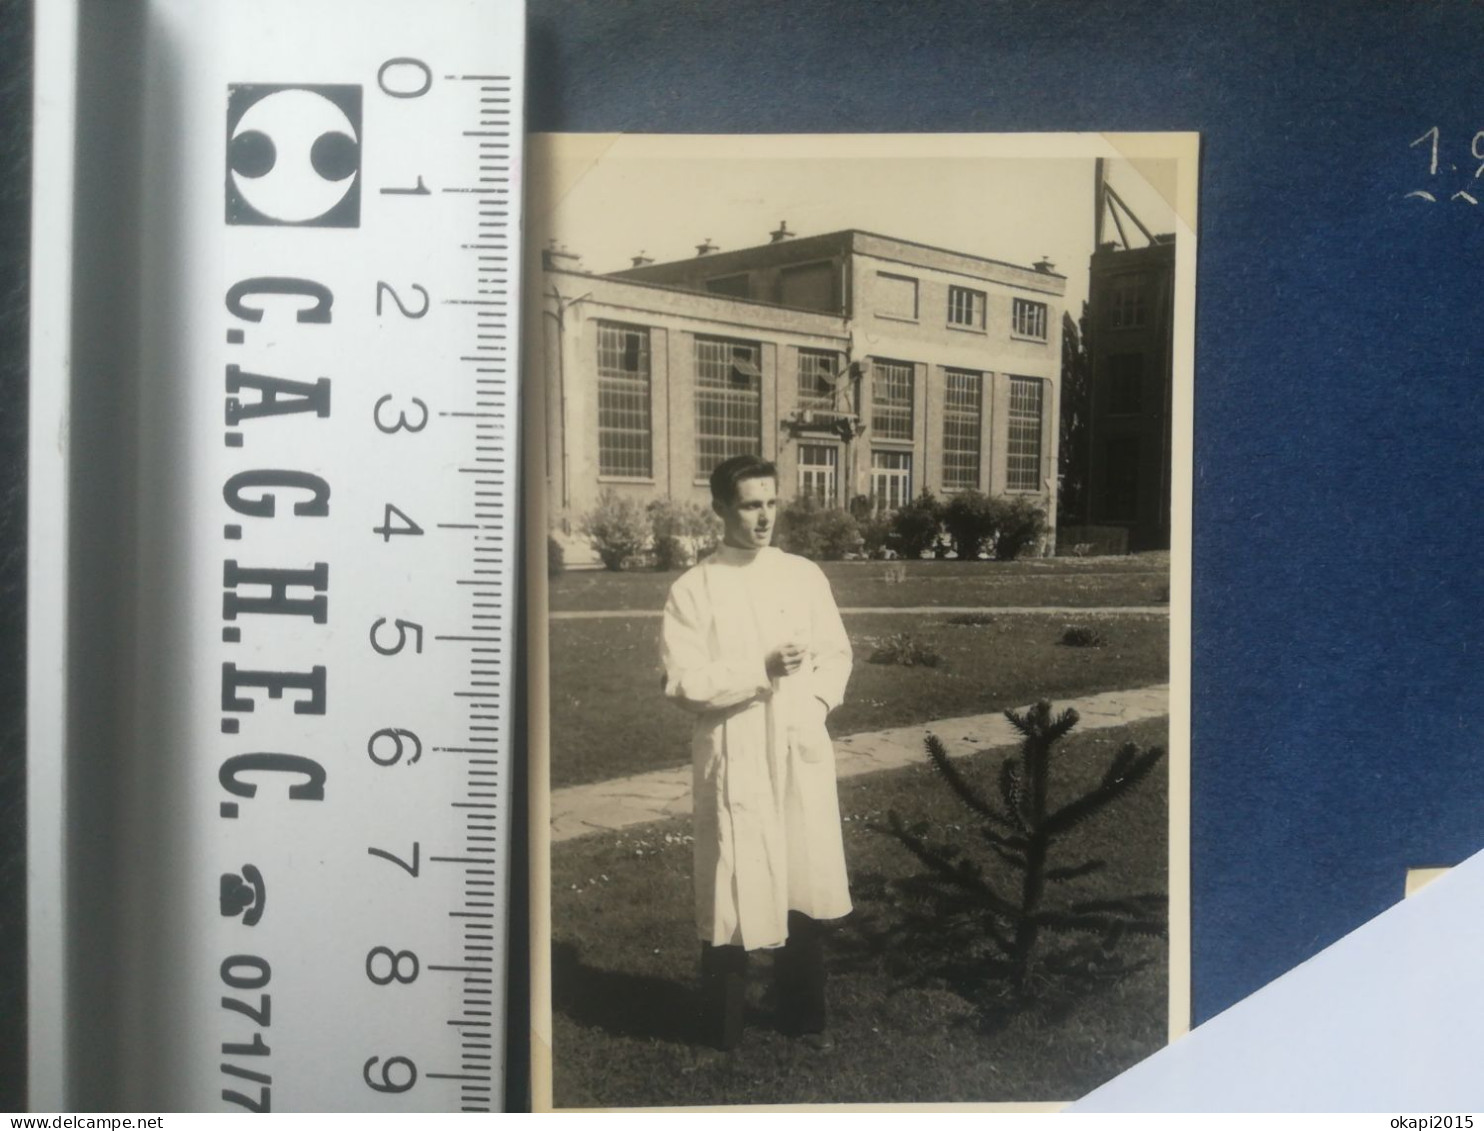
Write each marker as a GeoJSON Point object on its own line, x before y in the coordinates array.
{"type": "Point", "coordinates": [976, 522]}
{"type": "Point", "coordinates": [905, 649]}
{"type": "Point", "coordinates": [983, 917]}
{"type": "Point", "coordinates": [820, 533]}
{"type": "Point", "coordinates": [795, 532]}
{"type": "Point", "coordinates": [917, 525]}
{"type": "Point", "coordinates": [839, 535]}
{"type": "Point", "coordinates": [1081, 636]}
{"type": "Point", "coordinates": [876, 535]}
{"type": "Point", "coordinates": [972, 521]}
{"type": "Point", "coordinates": [556, 558]}
{"type": "Point", "coordinates": [682, 533]}
{"type": "Point", "coordinates": [670, 553]}
{"type": "Point", "coordinates": [1021, 523]}
{"type": "Point", "coordinates": [798, 531]}
{"type": "Point", "coordinates": [617, 528]}
{"type": "Point", "coordinates": [975, 619]}
{"type": "Point", "coordinates": [707, 532]}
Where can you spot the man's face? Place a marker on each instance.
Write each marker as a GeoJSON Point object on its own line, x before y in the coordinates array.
{"type": "Point", "coordinates": [749, 518]}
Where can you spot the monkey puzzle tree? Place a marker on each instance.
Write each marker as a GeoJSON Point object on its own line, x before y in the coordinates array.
{"type": "Point", "coordinates": [1006, 933]}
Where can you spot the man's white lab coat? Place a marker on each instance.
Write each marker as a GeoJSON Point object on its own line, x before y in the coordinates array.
{"type": "Point", "coordinates": [767, 816]}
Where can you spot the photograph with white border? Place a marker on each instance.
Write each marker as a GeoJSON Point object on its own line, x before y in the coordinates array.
{"type": "Point", "coordinates": [858, 505]}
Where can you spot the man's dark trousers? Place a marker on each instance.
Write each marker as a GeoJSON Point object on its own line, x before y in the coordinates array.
{"type": "Point", "coordinates": [798, 980]}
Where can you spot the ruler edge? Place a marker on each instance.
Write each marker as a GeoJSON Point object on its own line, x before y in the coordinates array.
{"type": "Point", "coordinates": [48, 547]}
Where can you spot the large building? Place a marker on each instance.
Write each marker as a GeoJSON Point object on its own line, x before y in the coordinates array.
{"type": "Point", "coordinates": [1131, 318]}
{"type": "Point", "coordinates": [868, 368]}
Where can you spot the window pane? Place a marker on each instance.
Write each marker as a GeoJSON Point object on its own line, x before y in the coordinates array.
{"type": "Point", "coordinates": [728, 401]}
{"type": "Point", "coordinates": [817, 369]}
{"type": "Point", "coordinates": [817, 473]}
{"type": "Point", "coordinates": [1126, 302]}
{"type": "Point", "coordinates": [1030, 318]}
{"type": "Point", "coordinates": [891, 400]}
{"type": "Point", "coordinates": [966, 307]}
{"type": "Point", "coordinates": [1024, 455]}
{"type": "Point", "coordinates": [896, 296]}
{"type": "Point", "coordinates": [962, 401]}
{"type": "Point", "coordinates": [891, 480]}
{"type": "Point", "coordinates": [624, 438]}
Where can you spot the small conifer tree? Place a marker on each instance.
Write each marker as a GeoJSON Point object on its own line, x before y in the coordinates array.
{"type": "Point", "coordinates": [1009, 939]}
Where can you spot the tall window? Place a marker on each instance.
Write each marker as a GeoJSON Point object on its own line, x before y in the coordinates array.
{"type": "Point", "coordinates": [891, 400]}
{"type": "Point", "coordinates": [896, 296]}
{"type": "Point", "coordinates": [624, 437]}
{"type": "Point", "coordinates": [728, 401]}
{"type": "Point", "coordinates": [962, 404]}
{"type": "Point", "coordinates": [818, 478]}
{"type": "Point", "coordinates": [817, 370]}
{"type": "Point", "coordinates": [1029, 319]}
{"type": "Point", "coordinates": [966, 307]}
{"type": "Point", "coordinates": [1126, 302]}
{"type": "Point", "coordinates": [891, 480]}
{"type": "Point", "coordinates": [1024, 457]}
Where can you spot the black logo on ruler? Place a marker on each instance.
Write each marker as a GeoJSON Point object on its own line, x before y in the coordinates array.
{"type": "Point", "coordinates": [294, 155]}
{"type": "Point", "coordinates": [244, 895]}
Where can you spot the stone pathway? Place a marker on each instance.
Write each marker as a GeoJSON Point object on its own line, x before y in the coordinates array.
{"type": "Point", "coordinates": [606, 806]}
{"type": "Point", "coordinates": [921, 610]}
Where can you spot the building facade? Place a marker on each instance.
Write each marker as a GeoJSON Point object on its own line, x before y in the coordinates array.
{"type": "Point", "coordinates": [867, 368]}
{"type": "Point", "coordinates": [1131, 337]}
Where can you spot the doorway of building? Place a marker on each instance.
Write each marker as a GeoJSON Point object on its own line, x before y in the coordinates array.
{"type": "Point", "coordinates": [891, 480]}
{"type": "Point", "coordinates": [819, 478]}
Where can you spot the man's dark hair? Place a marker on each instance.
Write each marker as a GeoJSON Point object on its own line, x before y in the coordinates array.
{"type": "Point", "coordinates": [726, 476]}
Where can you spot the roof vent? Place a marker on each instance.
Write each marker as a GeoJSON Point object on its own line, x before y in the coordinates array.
{"type": "Point", "coordinates": [705, 248]}
{"type": "Point", "coordinates": [781, 233]}
{"type": "Point", "coordinates": [642, 260]}
{"type": "Point", "coordinates": [1044, 265]}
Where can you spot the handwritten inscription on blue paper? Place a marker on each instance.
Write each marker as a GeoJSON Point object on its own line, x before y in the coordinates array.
{"type": "Point", "coordinates": [1469, 192]}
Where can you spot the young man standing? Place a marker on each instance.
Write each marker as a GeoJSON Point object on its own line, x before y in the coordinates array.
{"type": "Point", "coordinates": [753, 645]}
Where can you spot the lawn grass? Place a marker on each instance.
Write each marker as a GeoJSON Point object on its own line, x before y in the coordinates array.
{"type": "Point", "coordinates": [625, 965]}
{"type": "Point", "coordinates": [609, 718]}
{"type": "Point", "coordinates": [1135, 579]}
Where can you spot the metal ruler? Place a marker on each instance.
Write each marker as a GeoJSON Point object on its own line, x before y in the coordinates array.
{"type": "Point", "coordinates": [273, 557]}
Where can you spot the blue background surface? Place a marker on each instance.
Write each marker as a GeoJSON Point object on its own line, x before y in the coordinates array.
{"type": "Point", "coordinates": [1337, 545]}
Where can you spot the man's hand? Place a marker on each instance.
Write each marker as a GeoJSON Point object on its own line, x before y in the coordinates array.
{"type": "Point", "coordinates": [788, 659]}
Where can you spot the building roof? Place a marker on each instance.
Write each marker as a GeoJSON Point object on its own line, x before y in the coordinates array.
{"type": "Point", "coordinates": [804, 247]}
{"type": "Point", "coordinates": [616, 291]}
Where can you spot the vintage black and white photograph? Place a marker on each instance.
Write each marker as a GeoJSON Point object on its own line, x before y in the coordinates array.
{"type": "Point", "coordinates": [860, 764]}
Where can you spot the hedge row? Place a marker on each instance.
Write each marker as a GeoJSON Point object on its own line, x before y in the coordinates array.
{"type": "Point", "coordinates": [670, 535]}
